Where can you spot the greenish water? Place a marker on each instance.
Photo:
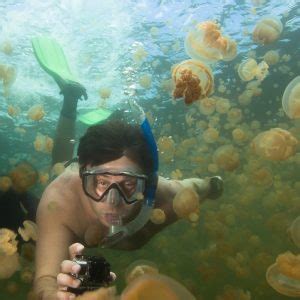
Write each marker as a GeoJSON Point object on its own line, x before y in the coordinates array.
{"type": "Point", "coordinates": [238, 236]}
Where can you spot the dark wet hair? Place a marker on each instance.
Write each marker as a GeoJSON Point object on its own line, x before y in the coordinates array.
{"type": "Point", "coordinates": [111, 140]}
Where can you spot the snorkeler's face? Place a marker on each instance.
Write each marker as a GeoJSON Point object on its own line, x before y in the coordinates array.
{"type": "Point", "coordinates": [114, 188]}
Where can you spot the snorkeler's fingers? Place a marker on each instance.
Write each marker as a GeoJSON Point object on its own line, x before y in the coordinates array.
{"type": "Point", "coordinates": [61, 295]}
{"type": "Point", "coordinates": [64, 281]}
{"type": "Point", "coordinates": [69, 267]}
{"type": "Point", "coordinates": [75, 249]}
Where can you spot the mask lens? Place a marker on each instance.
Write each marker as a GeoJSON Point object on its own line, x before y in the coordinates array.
{"type": "Point", "coordinates": [98, 185]}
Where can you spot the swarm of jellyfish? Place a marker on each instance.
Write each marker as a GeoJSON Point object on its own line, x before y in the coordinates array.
{"type": "Point", "coordinates": [275, 144]}
{"type": "Point", "coordinates": [291, 99]}
{"type": "Point", "coordinates": [267, 30]}
{"type": "Point", "coordinates": [205, 42]}
{"type": "Point", "coordinates": [193, 81]}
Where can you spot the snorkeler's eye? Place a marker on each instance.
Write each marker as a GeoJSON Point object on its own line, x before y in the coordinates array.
{"type": "Point", "coordinates": [129, 184]}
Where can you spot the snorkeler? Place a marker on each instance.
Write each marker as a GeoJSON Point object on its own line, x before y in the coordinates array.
{"type": "Point", "coordinates": [106, 199]}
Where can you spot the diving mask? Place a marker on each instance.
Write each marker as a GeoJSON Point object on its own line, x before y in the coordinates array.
{"type": "Point", "coordinates": [113, 186]}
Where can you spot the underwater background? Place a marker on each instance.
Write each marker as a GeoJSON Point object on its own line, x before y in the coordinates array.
{"type": "Point", "coordinates": [123, 49]}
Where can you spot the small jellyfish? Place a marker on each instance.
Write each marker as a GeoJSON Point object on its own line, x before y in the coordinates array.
{"type": "Point", "coordinates": [8, 242]}
{"type": "Point", "coordinates": [291, 99]}
{"type": "Point", "coordinates": [138, 268]}
{"type": "Point", "coordinates": [207, 106]}
{"type": "Point", "coordinates": [158, 216]}
{"type": "Point", "coordinates": [156, 286]}
{"type": "Point", "coordinates": [139, 54]}
{"type": "Point", "coordinates": [249, 69]}
{"type": "Point", "coordinates": [222, 105]}
{"type": "Point", "coordinates": [36, 112]}
{"type": "Point", "coordinates": [284, 275]}
{"type": "Point", "coordinates": [271, 57]}
{"type": "Point", "coordinates": [7, 48]}
{"type": "Point", "coordinates": [145, 81]}
{"type": "Point", "coordinates": [13, 111]}
{"type": "Point", "coordinates": [23, 176]}
{"type": "Point", "coordinates": [227, 158]}
{"type": "Point", "coordinates": [105, 92]}
{"type": "Point", "coordinates": [294, 231]}
{"type": "Point", "coordinates": [166, 147]}
{"type": "Point", "coordinates": [239, 135]}
{"type": "Point", "coordinates": [29, 231]}
{"type": "Point", "coordinates": [275, 144]}
{"type": "Point", "coordinates": [5, 183]}
{"type": "Point", "coordinates": [210, 135]}
{"type": "Point", "coordinates": [186, 201]}
{"type": "Point", "coordinates": [58, 169]}
{"type": "Point", "coordinates": [267, 30]}
{"type": "Point", "coordinates": [193, 81]}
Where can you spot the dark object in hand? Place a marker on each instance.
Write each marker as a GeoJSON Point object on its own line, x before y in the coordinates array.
{"type": "Point", "coordinates": [94, 273]}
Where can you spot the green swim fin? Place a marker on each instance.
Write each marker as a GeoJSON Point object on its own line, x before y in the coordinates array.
{"type": "Point", "coordinates": [94, 117]}
{"type": "Point", "coordinates": [52, 59]}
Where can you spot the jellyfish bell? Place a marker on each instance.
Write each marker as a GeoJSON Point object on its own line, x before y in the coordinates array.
{"type": "Point", "coordinates": [227, 158]}
{"type": "Point", "coordinates": [138, 268]}
{"type": "Point", "coordinates": [291, 99]}
{"type": "Point", "coordinates": [294, 231]}
{"type": "Point", "coordinates": [158, 287]}
{"type": "Point", "coordinates": [275, 144]}
{"type": "Point", "coordinates": [36, 112]}
{"type": "Point", "coordinates": [271, 57]}
{"type": "Point", "coordinates": [267, 30]}
{"type": "Point", "coordinates": [193, 81]}
{"type": "Point", "coordinates": [186, 201]}
{"type": "Point", "coordinates": [250, 69]}
{"type": "Point", "coordinates": [284, 275]}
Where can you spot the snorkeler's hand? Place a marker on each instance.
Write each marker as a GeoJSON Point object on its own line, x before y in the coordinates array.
{"type": "Point", "coordinates": [64, 279]}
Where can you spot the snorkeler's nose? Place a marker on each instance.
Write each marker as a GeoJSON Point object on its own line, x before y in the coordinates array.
{"type": "Point", "coordinates": [113, 197]}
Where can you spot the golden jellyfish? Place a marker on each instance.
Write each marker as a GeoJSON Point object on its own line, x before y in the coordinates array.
{"type": "Point", "coordinates": [105, 93]}
{"type": "Point", "coordinates": [193, 81]}
{"type": "Point", "coordinates": [138, 268]}
{"type": "Point", "coordinates": [234, 115]}
{"type": "Point", "coordinates": [210, 135]}
{"type": "Point", "coordinates": [23, 177]}
{"type": "Point", "coordinates": [227, 158]}
{"type": "Point", "coordinates": [262, 177]}
{"type": "Point", "coordinates": [29, 231]}
{"type": "Point", "coordinates": [294, 231]}
{"type": "Point", "coordinates": [145, 81]}
{"type": "Point", "coordinates": [158, 216]}
{"type": "Point", "coordinates": [43, 143]}
{"type": "Point", "coordinates": [176, 174]}
{"type": "Point", "coordinates": [186, 202]}
{"type": "Point", "coordinates": [250, 69]}
{"type": "Point", "coordinates": [166, 147]}
{"type": "Point", "coordinates": [139, 54]}
{"type": "Point", "coordinates": [222, 105]}
{"type": "Point", "coordinates": [271, 57]}
{"type": "Point", "coordinates": [13, 111]}
{"type": "Point", "coordinates": [58, 169]}
{"type": "Point", "coordinates": [9, 264]}
{"type": "Point", "coordinates": [275, 144]}
{"type": "Point", "coordinates": [239, 135]}
{"type": "Point", "coordinates": [5, 183]}
{"type": "Point", "coordinates": [206, 43]}
{"type": "Point", "coordinates": [156, 286]}
{"type": "Point", "coordinates": [267, 30]}
{"type": "Point", "coordinates": [231, 293]}
{"type": "Point", "coordinates": [44, 178]}
{"type": "Point", "coordinates": [291, 99]}
{"type": "Point", "coordinates": [36, 112]}
{"type": "Point", "coordinates": [8, 75]}
{"type": "Point", "coordinates": [8, 242]}
{"type": "Point", "coordinates": [7, 48]}
{"type": "Point", "coordinates": [207, 106]}
{"type": "Point", "coordinates": [284, 275]}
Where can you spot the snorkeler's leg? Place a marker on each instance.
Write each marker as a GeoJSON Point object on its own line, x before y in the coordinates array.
{"type": "Point", "coordinates": [65, 131]}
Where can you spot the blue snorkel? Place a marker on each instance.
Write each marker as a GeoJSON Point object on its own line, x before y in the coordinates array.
{"type": "Point", "coordinates": [118, 233]}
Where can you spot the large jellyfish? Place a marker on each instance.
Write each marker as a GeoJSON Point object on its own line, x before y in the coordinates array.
{"type": "Point", "coordinates": [249, 69]}
{"type": "Point", "coordinates": [9, 264]}
{"type": "Point", "coordinates": [284, 275]}
{"type": "Point", "coordinates": [291, 99]}
{"type": "Point", "coordinates": [275, 144]}
{"type": "Point", "coordinates": [206, 43]}
{"type": "Point", "coordinates": [267, 30]}
{"type": "Point", "coordinates": [193, 81]}
{"type": "Point", "coordinates": [156, 286]}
